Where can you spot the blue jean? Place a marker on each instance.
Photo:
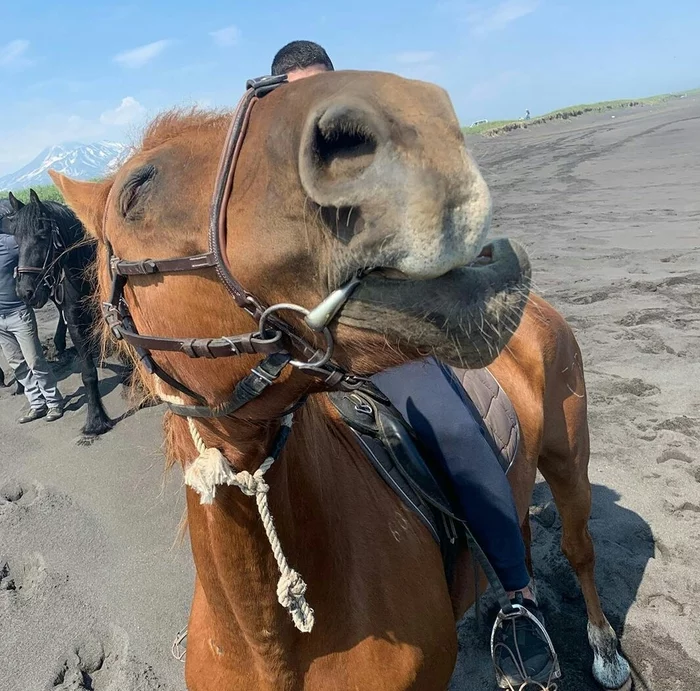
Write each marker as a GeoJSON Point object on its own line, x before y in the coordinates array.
{"type": "Point", "coordinates": [434, 403]}
{"type": "Point", "coordinates": [19, 339]}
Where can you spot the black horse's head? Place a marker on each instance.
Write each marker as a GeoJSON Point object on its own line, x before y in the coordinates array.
{"type": "Point", "coordinates": [35, 232]}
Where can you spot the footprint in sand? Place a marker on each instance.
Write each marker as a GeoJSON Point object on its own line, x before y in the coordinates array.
{"type": "Point", "coordinates": [588, 298]}
{"type": "Point", "coordinates": [660, 661]}
{"type": "Point", "coordinates": [674, 455]}
{"type": "Point", "coordinates": [103, 663]}
{"type": "Point", "coordinates": [620, 389]}
{"type": "Point", "coordinates": [639, 317]}
{"type": "Point", "coordinates": [20, 578]}
{"type": "Point", "coordinates": [14, 493]}
{"type": "Point", "coordinates": [649, 341]}
{"type": "Point", "coordinates": [683, 424]}
{"type": "Point", "coordinates": [665, 604]}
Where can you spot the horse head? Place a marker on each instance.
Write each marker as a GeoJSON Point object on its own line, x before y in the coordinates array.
{"type": "Point", "coordinates": [34, 233]}
{"type": "Point", "coordinates": [338, 174]}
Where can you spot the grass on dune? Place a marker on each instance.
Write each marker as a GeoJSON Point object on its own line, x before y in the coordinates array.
{"type": "Point", "coordinates": [46, 193]}
{"type": "Point", "coordinates": [501, 126]}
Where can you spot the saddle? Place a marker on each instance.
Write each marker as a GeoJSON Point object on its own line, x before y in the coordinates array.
{"type": "Point", "coordinates": [391, 445]}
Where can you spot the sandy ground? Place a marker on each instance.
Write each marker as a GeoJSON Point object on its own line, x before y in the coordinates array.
{"type": "Point", "coordinates": [610, 211]}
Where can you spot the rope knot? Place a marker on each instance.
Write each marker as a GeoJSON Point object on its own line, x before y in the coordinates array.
{"type": "Point", "coordinates": [290, 589]}
{"type": "Point", "coordinates": [210, 469]}
{"type": "Point", "coordinates": [290, 594]}
{"type": "Point", "coordinates": [251, 485]}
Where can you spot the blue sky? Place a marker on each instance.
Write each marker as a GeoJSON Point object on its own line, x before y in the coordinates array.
{"type": "Point", "coordinates": [83, 72]}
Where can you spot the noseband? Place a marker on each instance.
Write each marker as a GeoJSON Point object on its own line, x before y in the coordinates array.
{"type": "Point", "coordinates": [274, 338]}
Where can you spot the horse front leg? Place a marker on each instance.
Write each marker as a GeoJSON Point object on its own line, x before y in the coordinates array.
{"type": "Point", "coordinates": [98, 422]}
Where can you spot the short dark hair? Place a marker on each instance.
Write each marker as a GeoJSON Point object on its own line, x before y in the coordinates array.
{"type": "Point", "coordinates": [298, 55]}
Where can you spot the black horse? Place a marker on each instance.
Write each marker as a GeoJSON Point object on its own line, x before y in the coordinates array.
{"type": "Point", "coordinates": [55, 258]}
{"type": "Point", "coordinates": [59, 339]}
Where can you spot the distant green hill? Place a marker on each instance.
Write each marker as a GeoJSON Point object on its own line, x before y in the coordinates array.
{"type": "Point", "coordinates": [45, 192]}
{"type": "Point", "coordinates": [501, 126]}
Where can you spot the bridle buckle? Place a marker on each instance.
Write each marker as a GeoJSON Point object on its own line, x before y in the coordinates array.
{"type": "Point", "coordinates": [113, 319]}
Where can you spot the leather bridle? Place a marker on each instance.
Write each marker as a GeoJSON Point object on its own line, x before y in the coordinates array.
{"type": "Point", "coordinates": [274, 338]}
{"type": "Point", "coordinates": [49, 273]}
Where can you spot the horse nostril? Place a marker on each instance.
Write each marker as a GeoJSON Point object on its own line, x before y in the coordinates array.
{"type": "Point", "coordinates": [341, 143]}
{"type": "Point", "coordinates": [345, 141]}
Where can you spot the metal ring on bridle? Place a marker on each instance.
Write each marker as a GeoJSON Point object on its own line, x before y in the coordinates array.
{"type": "Point", "coordinates": [299, 364]}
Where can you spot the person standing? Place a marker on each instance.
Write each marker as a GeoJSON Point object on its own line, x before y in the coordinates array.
{"type": "Point", "coordinates": [19, 340]}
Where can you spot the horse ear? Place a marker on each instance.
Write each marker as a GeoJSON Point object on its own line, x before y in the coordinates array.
{"type": "Point", "coordinates": [87, 199]}
{"type": "Point", "coordinates": [34, 197]}
{"type": "Point", "coordinates": [15, 203]}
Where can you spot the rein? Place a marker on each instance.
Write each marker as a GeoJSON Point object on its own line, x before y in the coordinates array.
{"type": "Point", "coordinates": [273, 338]}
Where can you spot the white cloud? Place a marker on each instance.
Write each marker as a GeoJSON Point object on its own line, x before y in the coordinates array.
{"type": "Point", "coordinates": [14, 54]}
{"type": "Point", "coordinates": [494, 18]}
{"type": "Point", "coordinates": [138, 57]}
{"type": "Point", "coordinates": [128, 111]}
{"type": "Point", "coordinates": [228, 36]}
{"type": "Point", "coordinates": [415, 57]}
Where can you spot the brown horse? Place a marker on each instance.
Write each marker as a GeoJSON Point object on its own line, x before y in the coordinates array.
{"type": "Point", "coordinates": [339, 172]}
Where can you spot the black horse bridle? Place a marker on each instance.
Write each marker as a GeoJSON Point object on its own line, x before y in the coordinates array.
{"type": "Point", "coordinates": [274, 338]}
{"type": "Point", "coordinates": [49, 273]}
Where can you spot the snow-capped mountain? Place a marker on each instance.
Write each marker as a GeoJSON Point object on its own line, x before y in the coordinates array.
{"type": "Point", "coordinates": [80, 161]}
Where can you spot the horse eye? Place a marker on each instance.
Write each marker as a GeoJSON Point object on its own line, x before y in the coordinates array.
{"type": "Point", "coordinates": [135, 186]}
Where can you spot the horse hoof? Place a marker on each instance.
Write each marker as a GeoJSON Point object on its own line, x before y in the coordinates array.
{"type": "Point", "coordinates": [98, 428]}
{"type": "Point", "coordinates": [86, 440]}
{"type": "Point", "coordinates": [613, 675]}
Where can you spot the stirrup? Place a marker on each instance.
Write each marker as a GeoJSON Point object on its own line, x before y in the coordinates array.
{"type": "Point", "coordinates": [518, 612]}
{"type": "Point", "coordinates": [179, 649]}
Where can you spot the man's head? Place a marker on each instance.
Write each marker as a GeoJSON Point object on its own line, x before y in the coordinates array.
{"type": "Point", "coordinates": [300, 59]}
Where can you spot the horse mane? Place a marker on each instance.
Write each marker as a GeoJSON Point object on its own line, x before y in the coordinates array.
{"type": "Point", "coordinates": [69, 224]}
{"type": "Point", "coordinates": [178, 121]}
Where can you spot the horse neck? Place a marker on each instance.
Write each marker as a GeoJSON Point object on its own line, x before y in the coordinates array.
{"type": "Point", "coordinates": [234, 561]}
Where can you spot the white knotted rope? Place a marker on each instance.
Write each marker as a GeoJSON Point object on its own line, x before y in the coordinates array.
{"type": "Point", "coordinates": [211, 468]}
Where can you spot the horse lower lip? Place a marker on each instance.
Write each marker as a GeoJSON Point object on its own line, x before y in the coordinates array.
{"type": "Point", "coordinates": [391, 274]}
{"type": "Point", "coordinates": [500, 266]}
{"type": "Point", "coordinates": [481, 260]}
